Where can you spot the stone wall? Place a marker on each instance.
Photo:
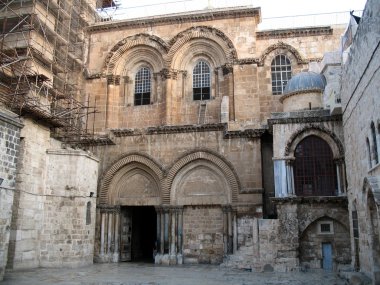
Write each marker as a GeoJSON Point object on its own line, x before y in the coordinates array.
{"type": "Point", "coordinates": [361, 105]}
{"type": "Point", "coordinates": [242, 153]}
{"type": "Point", "coordinates": [203, 234]}
{"type": "Point", "coordinates": [9, 148]}
{"type": "Point", "coordinates": [51, 225]}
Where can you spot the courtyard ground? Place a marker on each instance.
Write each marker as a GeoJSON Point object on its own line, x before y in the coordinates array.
{"type": "Point", "coordinates": [150, 274]}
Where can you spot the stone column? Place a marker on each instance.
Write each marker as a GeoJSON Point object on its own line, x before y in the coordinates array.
{"type": "Point", "coordinates": [109, 232]}
{"type": "Point", "coordinates": [158, 232]}
{"type": "Point", "coordinates": [102, 233]}
{"type": "Point", "coordinates": [230, 232]}
{"type": "Point", "coordinates": [235, 232]}
{"type": "Point", "coordinates": [117, 236]}
{"type": "Point", "coordinates": [162, 234]}
{"type": "Point", "coordinates": [166, 231]}
{"type": "Point", "coordinates": [290, 178]}
{"type": "Point", "coordinates": [173, 236]}
{"type": "Point", "coordinates": [340, 176]}
{"type": "Point", "coordinates": [180, 230]}
{"type": "Point", "coordinates": [225, 228]}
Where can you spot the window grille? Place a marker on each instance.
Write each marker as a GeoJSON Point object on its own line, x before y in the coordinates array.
{"type": "Point", "coordinates": [314, 171]}
{"type": "Point", "coordinates": [201, 81]}
{"type": "Point", "coordinates": [281, 73]}
{"type": "Point", "coordinates": [142, 86]}
{"type": "Point", "coordinates": [325, 227]}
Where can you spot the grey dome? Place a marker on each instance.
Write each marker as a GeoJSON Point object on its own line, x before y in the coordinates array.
{"type": "Point", "coordinates": [305, 81]}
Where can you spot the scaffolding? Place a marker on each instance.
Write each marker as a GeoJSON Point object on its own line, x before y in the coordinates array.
{"type": "Point", "coordinates": [41, 53]}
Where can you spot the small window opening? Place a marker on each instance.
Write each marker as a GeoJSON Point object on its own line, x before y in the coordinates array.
{"type": "Point", "coordinates": [369, 153]}
{"type": "Point", "coordinates": [142, 87]}
{"type": "Point", "coordinates": [325, 227]}
{"type": "Point", "coordinates": [201, 81]}
{"type": "Point", "coordinates": [88, 213]}
{"type": "Point", "coordinates": [281, 70]}
{"type": "Point", "coordinates": [375, 153]}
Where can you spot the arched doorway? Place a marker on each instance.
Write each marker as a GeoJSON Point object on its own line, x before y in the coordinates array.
{"type": "Point", "coordinates": [126, 216]}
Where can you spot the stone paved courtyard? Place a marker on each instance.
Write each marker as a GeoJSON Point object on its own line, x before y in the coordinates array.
{"type": "Point", "coordinates": [149, 274]}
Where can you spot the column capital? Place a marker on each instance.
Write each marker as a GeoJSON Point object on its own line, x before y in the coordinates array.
{"type": "Point", "coordinates": [109, 208]}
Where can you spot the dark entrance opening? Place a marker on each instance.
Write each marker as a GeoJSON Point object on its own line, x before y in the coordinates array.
{"type": "Point", "coordinates": [138, 226]}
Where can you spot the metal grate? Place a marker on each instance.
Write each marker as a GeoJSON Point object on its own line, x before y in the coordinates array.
{"type": "Point", "coordinates": [314, 172]}
{"type": "Point", "coordinates": [281, 73]}
{"type": "Point", "coordinates": [142, 86]}
{"type": "Point", "coordinates": [201, 81]}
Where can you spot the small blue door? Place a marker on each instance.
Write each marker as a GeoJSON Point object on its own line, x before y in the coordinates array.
{"type": "Point", "coordinates": [327, 256]}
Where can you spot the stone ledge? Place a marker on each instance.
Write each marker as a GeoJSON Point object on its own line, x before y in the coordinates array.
{"type": "Point", "coordinates": [247, 133]}
{"type": "Point", "coordinates": [6, 116]}
{"type": "Point", "coordinates": [311, 200]}
{"type": "Point", "coordinates": [71, 152]}
{"type": "Point", "coordinates": [291, 33]}
{"type": "Point", "coordinates": [194, 16]}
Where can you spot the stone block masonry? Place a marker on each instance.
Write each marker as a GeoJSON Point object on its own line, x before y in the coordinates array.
{"type": "Point", "coordinates": [9, 145]}
{"type": "Point", "coordinates": [203, 234]}
{"type": "Point", "coordinates": [53, 221]}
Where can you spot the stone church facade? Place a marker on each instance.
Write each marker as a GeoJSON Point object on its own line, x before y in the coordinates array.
{"type": "Point", "coordinates": [222, 147]}
{"type": "Point", "coordinates": [197, 159]}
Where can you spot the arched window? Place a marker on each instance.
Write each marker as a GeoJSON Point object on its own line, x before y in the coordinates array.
{"type": "Point", "coordinates": [142, 86]}
{"type": "Point", "coordinates": [314, 171]}
{"type": "Point", "coordinates": [88, 213]}
{"type": "Point", "coordinates": [369, 153]}
{"type": "Point", "coordinates": [281, 73]}
{"type": "Point", "coordinates": [375, 153]}
{"type": "Point", "coordinates": [201, 81]}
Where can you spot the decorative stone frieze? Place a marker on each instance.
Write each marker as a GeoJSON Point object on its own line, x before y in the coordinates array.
{"type": "Point", "coordinates": [291, 33]}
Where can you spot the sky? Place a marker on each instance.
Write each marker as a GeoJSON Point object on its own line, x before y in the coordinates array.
{"type": "Point", "coordinates": [269, 8]}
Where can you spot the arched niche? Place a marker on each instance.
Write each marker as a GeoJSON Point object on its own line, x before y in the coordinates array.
{"type": "Point", "coordinates": [134, 47]}
{"type": "Point", "coordinates": [136, 168]}
{"type": "Point", "coordinates": [192, 163]}
{"type": "Point", "coordinates": [202, 38]}
{"type": "Point", "coordinates": [323, 133]}
{"type": "Point", "coordinates": [134, 185]}
{"type": "Point", "coordinates": [324, 230]}
{"type": "Point", "coordinates": [200, 182]}
{"type": "Point", "coordinates": [281, 48]}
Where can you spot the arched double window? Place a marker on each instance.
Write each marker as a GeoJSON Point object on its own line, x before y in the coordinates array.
{"type": "Point", "coordinates": [142, 86]}
{"type": "Point", "coordinates": [281, 70]}
{"type": "Point", "coordinates": [201, 81]}
{"type": "Point", "coordinates": [314, 171]}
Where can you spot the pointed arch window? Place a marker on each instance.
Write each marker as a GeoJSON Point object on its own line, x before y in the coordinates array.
{"type": "Point", "coordinates": [281, 70]}
{"type": "Point", "coordinates": [374, 141]}
{"type": "Point", "coordinates": [201, 81]}
{"type": "Point", "coordinates": [314, 171]}
{"type": "Point", "coordinates": [142, 86]}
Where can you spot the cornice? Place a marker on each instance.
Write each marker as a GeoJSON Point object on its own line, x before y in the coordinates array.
{"type": "Point", "coordinates": [194, 16]}
{"type": "Point", "coordinates": [291, 33]}
{"type": "Point", "coordinates": [308, 116]}
{"type": "Point", "coordinates": [299, 92]}
{"type": "Point", "coordinates": [249, 133]}
{"type": "Point", "coordinates": [312, 200]}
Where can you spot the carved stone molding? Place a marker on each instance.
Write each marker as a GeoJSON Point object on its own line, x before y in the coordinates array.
{"type": "Point", "coordinates": [319, 129]}
{"type": "Point", "coordinates": [119, 164]}
{"type": "Point", "coordinates": [122, 46]}
{"type": "Point", "coordinates": [211, 157]}
{"type": "Point", "coordinates": [292, 33]}
{"type": "Point", "coordinates": [282, 45]}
